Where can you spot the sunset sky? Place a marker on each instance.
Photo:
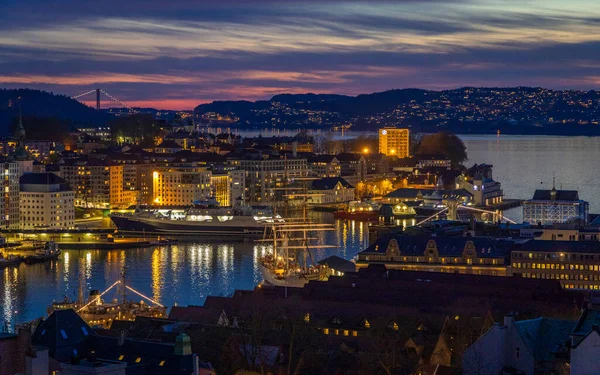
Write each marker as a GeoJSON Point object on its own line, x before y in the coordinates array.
{"type": "Point", "coordinates": [176, 54]}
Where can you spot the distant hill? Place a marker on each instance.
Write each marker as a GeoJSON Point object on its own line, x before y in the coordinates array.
{"type": "Point", "coordinates": [44, 104]}
{"type": "Point", "coordinates": [482, 110]}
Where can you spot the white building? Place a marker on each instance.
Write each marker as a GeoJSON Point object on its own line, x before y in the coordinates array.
{"type": "Point", "coordinates": [555, 207]}
{"type": "Point", "coordinates": [529, 346]}
{"type": "Point", "coordinates": [46, 201]}
{"type": "Point", "coordinates": [331, 190]}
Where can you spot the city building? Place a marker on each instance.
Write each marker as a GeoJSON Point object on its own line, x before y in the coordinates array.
{"type": "Point", "coordinates": [555, 207]}
{"type": "Point", "coordinates": [575, 263]}
{"type": "Point", "coordinates": [45, 201]}
{"type": "Point", "coordinates": [324, 166]}
{"type": "Point", "coordinates": [268, 176]}
{"type": "Point", "coordinates": [425, 161]}
{"type": "Point", "coordinates": [9, 198]}
{"type": "Point", "coordinates": [97, 183]}
{"type": "Point", "coordinates": [75, 348]}
{"type": "Point", "coordinates": [180, 186]}
{"type": "Point", "coordinates": [479, 183]}
{"type": "Point", "coordinates": [331, 190]}
{"type": "Point", "coordinates": [468, 255]}
{"type": "Point", "coordinates": [527, 347]}
{"type": "Point", "coordinates": [352, 164]}
{"type": "Point", "coordinates": [228, 187]}
{"type": "Point", "coordinates": [394, 142]}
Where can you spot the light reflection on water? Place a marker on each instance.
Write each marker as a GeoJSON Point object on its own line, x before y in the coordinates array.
{"type": "Point", "coordinates": [185, 273]}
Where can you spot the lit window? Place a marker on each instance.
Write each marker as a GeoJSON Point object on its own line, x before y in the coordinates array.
{"type": "Point", "coordinates": [138, 359]}
{"type": "Point", "coordinates": [162, 363]}
{"type": "Point", "coordinates": [63, 334]}
{"type": "Point", "coordinates": [121, 357]}
{"type": "Point", "coordinates": [367, 324]}
{"type": "Point", "coordinates": [325, 331]}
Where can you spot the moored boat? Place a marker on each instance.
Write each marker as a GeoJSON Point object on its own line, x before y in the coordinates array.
{"type": "Point", "coordinates": [365, 210]}
{"type": "Point", "coordinates": [50, 251]}
{"type": "Point", "coordinates": [199, 220]}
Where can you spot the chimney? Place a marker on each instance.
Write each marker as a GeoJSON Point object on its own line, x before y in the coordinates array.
{"type": "Point", "coordinates": [183, 345]}
{"type": "Point", "coordinates": [121, 338]}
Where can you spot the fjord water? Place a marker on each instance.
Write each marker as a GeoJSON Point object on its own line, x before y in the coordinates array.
{"type": "Point", "coordinates": [187, 273]}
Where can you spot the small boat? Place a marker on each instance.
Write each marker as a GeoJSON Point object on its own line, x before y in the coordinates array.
{"type": "Point", "coordinates": [9, 260]}
{"type": "Point", "coordinates": [365, 210]}
{"type": "Point", "coordinates": [50, 251]}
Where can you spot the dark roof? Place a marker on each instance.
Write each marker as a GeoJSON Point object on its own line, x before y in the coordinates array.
{"type": "Point", "coordinates": [321, 158]}
{"type": "Point", "coordinates": [64, 333]}
{"type": "Point", "coordinates": [545, 337]}
{"type": "Point", "coordinates": [447, 246]}
{"type": "Point", "coordinates": [41, 179]}
{"type": "Point", "coordinates": [167, 143]}
{"type": "Point", "coordinates": [561, 195]}
{"type": "Point", "coordinates": [329, 183]}
{"type": "Point", "coordinates": [338, 264]}
{"type": "Point", "coordinates": [346, 156]}
{"type": "Point", "coordinates": [559, 246]}
{"type": "Point", "coordinates": [432, 157]}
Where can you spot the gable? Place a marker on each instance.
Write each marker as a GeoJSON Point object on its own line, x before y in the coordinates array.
{"type": "Point", "coordinates": [392, 248]}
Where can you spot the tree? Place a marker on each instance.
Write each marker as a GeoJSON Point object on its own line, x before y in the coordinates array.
{"type": "Point", "coordinates": [140, 129]}
{"type": "Point", "coordinates": [444, 143]}
{"type": "Point", "coordinates": [43, 128]}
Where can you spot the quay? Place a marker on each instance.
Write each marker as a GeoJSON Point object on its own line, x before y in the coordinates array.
{"type": "Point", "coordinates": [101, 239]}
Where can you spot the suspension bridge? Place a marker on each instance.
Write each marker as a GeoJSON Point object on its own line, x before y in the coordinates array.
{"type": "Point", "coordinates": [98, 94]}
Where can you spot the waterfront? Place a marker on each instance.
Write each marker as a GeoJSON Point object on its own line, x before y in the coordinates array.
{"type": "Point", "coordinates": [184, 273]}
{"type": "Point", "coordinates": [187, 273]}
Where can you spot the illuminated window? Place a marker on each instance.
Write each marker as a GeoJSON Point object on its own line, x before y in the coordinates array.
{"type": "Point", "coordinates": [121, 357]}
{"type": "Point", "coordinates": [162, 363]}
{"type": "Point", "coordinates": [367, 324]}
{"type": "Point", "coordinates": [346, 332]}
{"type": "Point", "coordinates": [307, 317]}
{"type": "Point", "coordinates": [138, 359]}
{"type": "Point", "coordinates": [325, 331]}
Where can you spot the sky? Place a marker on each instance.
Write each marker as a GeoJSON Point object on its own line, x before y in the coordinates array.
{"type": "Point", "coordinates": [177, 54]}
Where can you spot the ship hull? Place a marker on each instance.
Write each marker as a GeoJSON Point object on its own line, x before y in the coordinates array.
{"type": "Point", "coordinates": [291, 281]}
{"type": "Point", "coordinates": [238, 228]}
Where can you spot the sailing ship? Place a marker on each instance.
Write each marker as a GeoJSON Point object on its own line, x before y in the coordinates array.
{"type": "Point", "coordinates": [97, 312]}
{"type": "Point", "coordinates": [292, 262]}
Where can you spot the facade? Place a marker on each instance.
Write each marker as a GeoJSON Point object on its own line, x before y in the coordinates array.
{"type": "Point", "coordinates": [9, 199]}
{"type": "Point", "coordinates": [394, 142]}
{"type": "Point", "coordinates": [46, 201]}
{"type": "Point", "coordinates": [555, 207]}
{"type": "Point", "coordinates": [266, 178]}
{"type": "Point", "coordinates": [527, 347]}
{"type": "Point", "coordinates": [352, 165]}
{"type": "Point", "coordinates": [180, 186]}
{"type": "Point", "coordinates": [575, 263]}
{"type": "Point", "coordinates": [467, 255]}
{"type": "Point", "coordinates": [228, 187]}
{"type": "Point", "coordinates": [97, 183]}
{"type": "Point", "coordinates": [331, 190]}
{"type": "Point", "coordinates": [324, 166]}
{"type": "Point", "coordinates": [433, 161]}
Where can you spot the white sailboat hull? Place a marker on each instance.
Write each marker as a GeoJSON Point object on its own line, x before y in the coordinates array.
{"type": "Point", "coordinates": [293, 281]}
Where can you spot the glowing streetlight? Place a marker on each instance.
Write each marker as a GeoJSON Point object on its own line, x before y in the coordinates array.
{"type": "Point", "coordinates": [365, 150]}
{"type": "Point", "coordinates": [392, 151]}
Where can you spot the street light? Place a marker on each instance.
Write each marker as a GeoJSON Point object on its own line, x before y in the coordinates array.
{"type": "Point", "coordinates": [365, 150]}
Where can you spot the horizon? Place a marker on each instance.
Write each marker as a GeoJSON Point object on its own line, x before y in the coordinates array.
{"type": "Point", "coordinates": [180, 54]}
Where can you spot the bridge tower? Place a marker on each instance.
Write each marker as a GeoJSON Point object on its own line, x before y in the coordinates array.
{"type": "Point", "coordinates": [97, 99]}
